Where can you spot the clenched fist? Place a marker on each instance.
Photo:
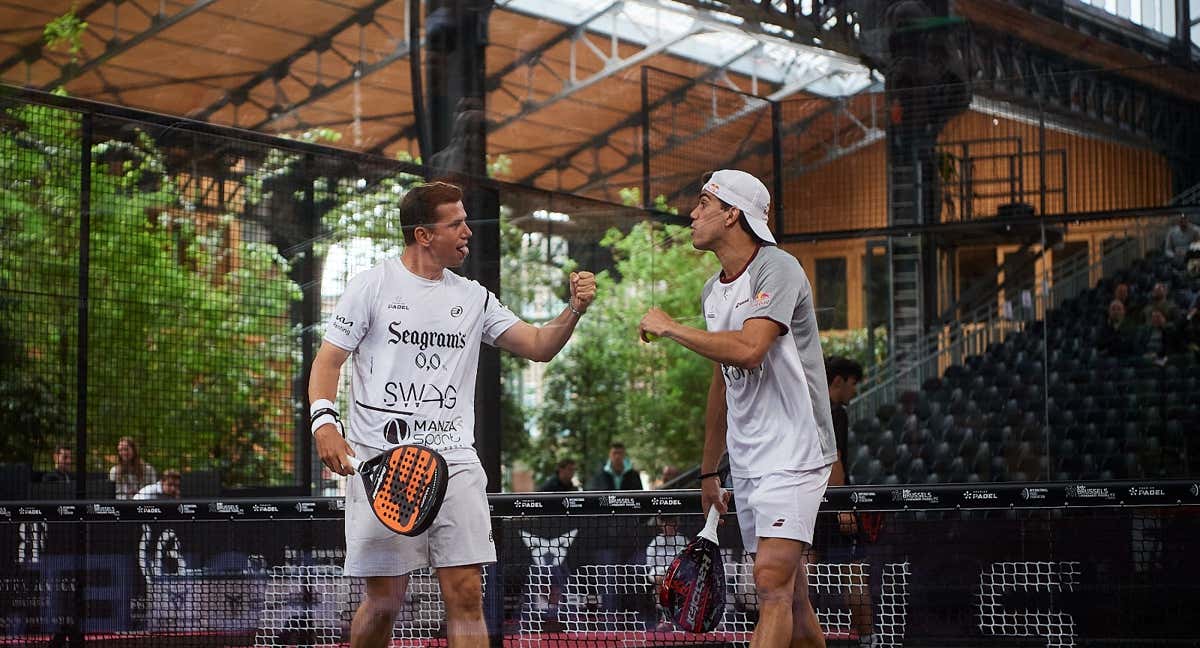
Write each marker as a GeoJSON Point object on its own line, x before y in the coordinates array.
{"type": "Point", "coordinates": [583, 290]}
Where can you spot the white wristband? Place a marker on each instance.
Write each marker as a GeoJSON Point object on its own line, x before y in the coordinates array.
{"type": "Point", "coordinates": [320, 404]}
{"type": "Point", "coordinates": [323, 413]}
{"type": "Point", "coordinates": [324, 419]}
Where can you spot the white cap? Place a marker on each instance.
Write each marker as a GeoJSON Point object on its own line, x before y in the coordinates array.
{"type": "Point", "coordinates": [748, 194]}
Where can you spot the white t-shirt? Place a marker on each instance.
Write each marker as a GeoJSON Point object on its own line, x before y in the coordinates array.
{"type": "Point", "coordinates": [416, 353]}
{"type": "Point", "coordinates": [779, 412]}
{"type": "Point", "coordinates": [153, 491]}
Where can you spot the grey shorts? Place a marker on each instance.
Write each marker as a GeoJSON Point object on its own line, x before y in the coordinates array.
{"type": "Point", "coordinates": [461, 533]}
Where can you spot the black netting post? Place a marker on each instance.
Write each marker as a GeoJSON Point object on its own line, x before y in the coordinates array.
{"type": "Point", "coordinates": [75, 629]}
{"type": "Point", "coordinates": [646, 201]}
{"type": "Point", "coordinates": [310, 315]}
{"type": "Point", "coordinates": [777, 167]}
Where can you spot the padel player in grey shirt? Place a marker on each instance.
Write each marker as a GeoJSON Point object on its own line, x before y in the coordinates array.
{"type": "Point", "coordinates": [768, 403]}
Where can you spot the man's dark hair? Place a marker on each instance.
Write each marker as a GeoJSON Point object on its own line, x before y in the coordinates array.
{"type": "Point", "coordinates": [62, 446]}
{"type": "Point", "coordinates": [616, 444]}
{"type": "Point", "coordinates": [745, 225]}
{"type": "Point", "coordinates": [419, 207]}
{"type": "Point", "coordinates": [563, 463]}
{"type": "Point", "coordinates": [841, 366]}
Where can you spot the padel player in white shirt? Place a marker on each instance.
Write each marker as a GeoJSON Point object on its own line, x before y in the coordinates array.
{"type": "Point", "coordinates": [414, 329]}
{"type": "Point", "coordinates": [768, 403]}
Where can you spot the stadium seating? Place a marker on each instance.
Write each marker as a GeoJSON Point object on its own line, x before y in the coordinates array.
{"type": "Point", "coordinates": [1045, 403]}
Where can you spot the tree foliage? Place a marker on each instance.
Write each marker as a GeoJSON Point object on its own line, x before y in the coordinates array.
{"type": "Point", "coordinates": [608, 385]}
{"type": "Point", "coordinates": [189, 343]}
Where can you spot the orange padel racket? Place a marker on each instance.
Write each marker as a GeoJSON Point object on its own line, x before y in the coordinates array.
{"type": "Point", "coordinates": [406, 485]}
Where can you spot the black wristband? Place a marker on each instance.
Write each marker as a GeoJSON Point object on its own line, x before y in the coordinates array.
{"type": "Point", "coordinates": [703, 476]}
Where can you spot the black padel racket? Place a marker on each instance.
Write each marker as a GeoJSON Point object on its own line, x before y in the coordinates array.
{"type": "Point", "coordinates": [406, 485]}
{"type": "Point", "coordinates": [693, 591]}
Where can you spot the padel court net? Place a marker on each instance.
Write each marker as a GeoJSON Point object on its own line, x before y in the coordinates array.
{"type": "Point", "coordinates": [991, 565]}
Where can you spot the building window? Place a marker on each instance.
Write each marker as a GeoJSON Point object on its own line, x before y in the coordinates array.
{"type": "Point", "coordinates": [831, 293]}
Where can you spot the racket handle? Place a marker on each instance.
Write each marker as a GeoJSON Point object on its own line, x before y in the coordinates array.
{"type": "Point", "coordinates": [709, 532]}
{"type": "Point", "coordinates": [354, 462]}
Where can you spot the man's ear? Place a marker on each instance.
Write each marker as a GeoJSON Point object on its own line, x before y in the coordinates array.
{"type": "Point", "coordinates": [421, 235]}
{"type": "Point", "coordinates": [735, 214]}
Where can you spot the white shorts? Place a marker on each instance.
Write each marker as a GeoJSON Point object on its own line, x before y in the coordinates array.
{"type": "Point", "coordinates": [461, 534]}
{"type": "Point", "coordinates": [779, 504]}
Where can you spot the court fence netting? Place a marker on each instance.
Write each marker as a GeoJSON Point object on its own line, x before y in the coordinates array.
{"type": "Point", "coordinates": [966, 565]}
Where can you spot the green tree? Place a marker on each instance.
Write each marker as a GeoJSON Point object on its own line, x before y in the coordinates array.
{"type": "Point", "coordinates": [189, 342]}
{"type": "Point", "coordinates": [607, 384]}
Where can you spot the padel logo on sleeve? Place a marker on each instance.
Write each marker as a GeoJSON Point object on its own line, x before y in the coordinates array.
{"type": "Point", "coordinates": [778, 523]}
{"type": "Point", "coordinates": [762, 297]}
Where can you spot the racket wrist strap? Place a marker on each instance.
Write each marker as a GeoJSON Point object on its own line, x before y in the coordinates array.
{"type": "Point", "coordinates": [703, 476]}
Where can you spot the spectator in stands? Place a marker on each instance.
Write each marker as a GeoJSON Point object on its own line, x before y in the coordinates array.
{"type": "Point", "coordinates": [563, 478]}
{"type": "Point", "coordinates": [1161, 339]}
{"type": "Point", "coordinates": [1118, 333]}
{"type": "Point", "coordinates": [617, 473]}
{"type": "Point", "coordinates": [847, 544]}
{"type": "Point", "coordinates": [1160, 300]}
{"type": "Point", "coordinates": [165, 488]}
{"type": "Point", "coordinates": [1179, 238]}
{"type": "Point", "coordinates": [843, 375]}
{"type": "Point", "coordinates": [1123, 294]}
{"type": "Point", "coordinates": [131, 473]}
{"type": "Point", "coordinates": [1192, 320]}
{"type": "Point", "coordinates": [669, 473]}
{"type": "Point", "coordinates": [64, 466]}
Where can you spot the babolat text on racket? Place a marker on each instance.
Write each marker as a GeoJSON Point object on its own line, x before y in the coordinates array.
{"type": "Point", "coordinates": [405, 485]}
{"type": "Point", "coordinates": [693, 591]}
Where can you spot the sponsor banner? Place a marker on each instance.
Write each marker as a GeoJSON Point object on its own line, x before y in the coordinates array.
{"type": "Point", "coordinates": [1146, 494]}
{"type": "Point", "coordinates": [680, 502]}
{"type": "Point", "coordinates": [1092, 495]}
{"type": "Point", "coordinates": [983, 498]}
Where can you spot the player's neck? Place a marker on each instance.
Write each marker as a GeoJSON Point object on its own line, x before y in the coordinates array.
{"type": "Point", "coordinates": [421, 263]}
{"type": "Point", "coordinates": [734, 253]}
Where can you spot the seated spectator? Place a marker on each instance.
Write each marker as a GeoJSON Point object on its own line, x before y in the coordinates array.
{"type": "Point", "coordinates": [1160, 300]}
{"type": "Point", "coordinates": [1123, 294]}
{"type": "Point", "coordinates": [64, 466]}
{"type": "Point", "coordinates": [1191, 323]}
{"type": "Point", "coordinates": [563, 478]}
{"type": "Point", "coordinates": [1117, 336]}
{"type": "Point", "coordinates": [1179, 238]}
{"type": "Point", "coordinates": [1160, 339]}
{"type": "Point", "coordinates": [1193, 260]}
{"type": "Point", "coordinates": [130, 474]}
{"type": "Point", "coordinates": [165, 488]}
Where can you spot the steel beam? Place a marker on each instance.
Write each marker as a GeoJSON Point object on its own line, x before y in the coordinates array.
{"type": "Point", "coordinates": [1021, 73]}
{"type": "Point", "coordinates": [829, 25]}
{"type": "Point", "coordinates": [612, 65]}
{"type": "Point", "coordinates": [751, 107]}
{"type": "Point", "coordinates": [32, 51]}
{"type": "Point", "coordinates": [635, 119]}
{"type": "Point", "coordinates": [283, 67]}
{"type": "Point", "coordinates": [158, 23]}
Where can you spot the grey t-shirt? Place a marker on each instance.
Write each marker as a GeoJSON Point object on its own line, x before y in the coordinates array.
{"type": "Point", "coordinates": [779, 412]}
